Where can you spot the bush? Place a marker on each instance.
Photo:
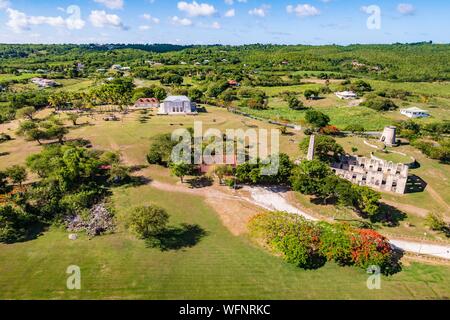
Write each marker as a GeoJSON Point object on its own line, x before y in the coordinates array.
{"type": "Point", "coordinates": [293, 236]}
{"type": "Point", "coordinates": [435, 222]}
{"type": "Point", "coordinates": [4, 137]}
{"type": "Point", "coordinates": [14, 224]}
{"type": "Point", "coordinates": [370, 248]}
{"type": "Point", "coordinates": [355, 128]}
{"type": "Point", "coordinates": [336, 243]}
{"type": "Point", "coordinates": [148, 221]}
{"type": "Point", "coordinates": [309, 244]}
{"type": "Point", "coordinates": [317, 119]}
{"type": "Point", "coordinates": [380, 104]}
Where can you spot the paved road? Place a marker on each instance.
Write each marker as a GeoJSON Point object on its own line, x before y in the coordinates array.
{"type": "Point", "coordinates": [272, 199]}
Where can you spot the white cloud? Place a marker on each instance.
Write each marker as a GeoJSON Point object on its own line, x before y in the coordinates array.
{"type": "Point", "coordinates": [230, 13]}
{"type": "Point", "coordinates": [195, 9]}
{"type": "Point", "coordinates": [100, 19]}
{"type": "Point", "coordinates": [216, 25]}
{"type": "Point", "coordinates": [111, 4]}
{"type": "Point", "coordinates": [181, 22]}
{"type": "Point", "coordinates": [74, 20]}
{"type": "Point", "coordinates": [231, 2]}
{"type": "Point", "coordinates": [145, 27]}
{"type": "Point", "coordinates": [149, 17]}
{"type": "Point", "coordinates": [406, 9]}
{"type": "Point", "coordinates": [260, 12]}
{"type": "Point", "coordinates": [19, 21]}
{"type": "Point", "coordinates": [4, 4]}
{"type": "Point", "coordinates": [303, 10]}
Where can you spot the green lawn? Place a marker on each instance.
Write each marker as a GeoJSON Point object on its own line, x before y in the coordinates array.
{"type": "Point", "coordinates": [220, 266]}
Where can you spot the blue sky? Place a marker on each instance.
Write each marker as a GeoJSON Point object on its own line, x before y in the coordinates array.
{"type": "Point", "coordinates": [224, 21]}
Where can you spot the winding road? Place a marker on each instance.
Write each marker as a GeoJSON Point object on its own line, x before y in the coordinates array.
{"type": "Point", "coordinates": [273, 200]}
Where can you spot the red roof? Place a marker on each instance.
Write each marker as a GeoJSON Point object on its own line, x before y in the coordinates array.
{"type": "Point", "coordinates": [232, 82]}
{"type": "Point", "coordinates": [147, 100]}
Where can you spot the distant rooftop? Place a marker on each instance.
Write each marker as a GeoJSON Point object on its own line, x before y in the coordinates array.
{"type": "Point", "coordinates": [177, 98]}
{"type": "Point", "coordinates": [415, 109]}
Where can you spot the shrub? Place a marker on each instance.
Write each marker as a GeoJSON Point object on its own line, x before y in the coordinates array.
{"type": "Point", "coordinates": [317, 119]}
{"type": "Point", "coordinates": [380, 104]}
{"type": "Point", "coordinates": [370, 248]}
{"type": "Point", "coordinates": [14, 224]}
{"type": "Point", "coordinates": [355, 128]}
{"type": "Point", "coordinates": [336, 243]}
{"type": "Point", "coordinates": [4, 137]}
{"type": "Point", "coordinates": [148, 221]}
{"type": "Point", "coordinates": [435, 222]}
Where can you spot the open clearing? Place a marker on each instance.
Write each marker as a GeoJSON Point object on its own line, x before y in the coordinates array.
{"type": "Point", "coordinates": [222, 262]}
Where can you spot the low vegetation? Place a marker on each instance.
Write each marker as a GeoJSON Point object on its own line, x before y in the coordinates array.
{"type": "Point", "coordinates": [309, 245]}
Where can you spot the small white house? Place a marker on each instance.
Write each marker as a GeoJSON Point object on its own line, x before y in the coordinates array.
{"type": "Point", "coordinates": [177, 105]}
{"type": "Point", "coordinates": [415, 112]}
{"type": "Point", "coordinates": [44, 83]}
{"type": "Point", "coordinates": [346, 95]}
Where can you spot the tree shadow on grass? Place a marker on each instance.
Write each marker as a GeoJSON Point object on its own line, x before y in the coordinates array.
{"type": "Point", "coordinates": [389, 216]}
{"type": "Point", "coordinates": [200, 182]}
{"type": "Point", "coordinates": [177, 238]}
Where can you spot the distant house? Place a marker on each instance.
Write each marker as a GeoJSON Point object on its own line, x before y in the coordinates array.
{"type": "Point", "coordinates": [44, 83]}
{"type": "Point", "coordinates": [415, 112]}
{"type": "Point", "coordinates": [146, 103]}
{"type": "Point", "coordinates": [346, 95]}
{"type": "Point", "coordinates": [118, 67]}
{"type": "Point", "coordinates": [176, 105]}
{"type": "Point", "coordinates": [233, 83]}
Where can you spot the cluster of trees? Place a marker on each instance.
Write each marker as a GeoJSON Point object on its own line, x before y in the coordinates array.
{"type": "Point", "coordinates": [438, 151]}
{"type": "Point", "coordinates": [400, 61]}
{"type": "Point", "coordinates": [15, 101]}
{"type": "Point", "coordinates": [49, 129]}
{"type": "Point", "coordinates": [326, 148]}
{"type": "Point", "coordinates": [379, 103]}
{"type": "Point", "coordinates": [317, 179]}
{"type": "Point", "coordinates": [429, 138]}
{"type": "Point", "coordinates": [309, 245]}
{"type": "Point", "coordinates": [253, 99]}
{"type": "Point", "coordinates": [253, 173]}
{"type": "Point", "coordinates": [71, 181]}
{"type": "Point", "coordinates": [317, 119]}
{"type": "Point", "coordinates": [149, 92]}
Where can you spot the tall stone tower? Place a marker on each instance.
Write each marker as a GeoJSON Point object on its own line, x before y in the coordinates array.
{"type": "Point", "coordinates": [312, 143]}
{"type": "Point", "coordinates": [389, 136]}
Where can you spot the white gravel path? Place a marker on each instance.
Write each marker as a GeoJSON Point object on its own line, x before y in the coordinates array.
{"type": "Point", "coordinates": [272, 199]}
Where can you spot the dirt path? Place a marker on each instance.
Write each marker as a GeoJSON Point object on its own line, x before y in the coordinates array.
{"type": "Point", "coordinates": [438, 198]}
{"type": "Point", "coordinates": [408, 208]}
{"type": "Point", "coordinates": [236, 208]}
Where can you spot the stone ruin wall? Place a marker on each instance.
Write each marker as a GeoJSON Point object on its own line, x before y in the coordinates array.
{"type": "Point", "coordinates": [378, 174]}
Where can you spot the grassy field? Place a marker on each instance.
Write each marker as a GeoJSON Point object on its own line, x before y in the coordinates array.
{"type": "Point", "coordinates": [219, 266]}
{"type": "Point", "coordinates": [12, 77]}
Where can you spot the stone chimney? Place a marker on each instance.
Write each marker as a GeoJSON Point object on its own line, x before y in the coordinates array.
{"type": "Point", "coordinates": [389, 136]}
{"type": "Point", "coordinates": [312, 142]}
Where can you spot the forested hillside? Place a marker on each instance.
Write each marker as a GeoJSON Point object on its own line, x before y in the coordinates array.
{"type": "Point", "coordinates": [397, 62]}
